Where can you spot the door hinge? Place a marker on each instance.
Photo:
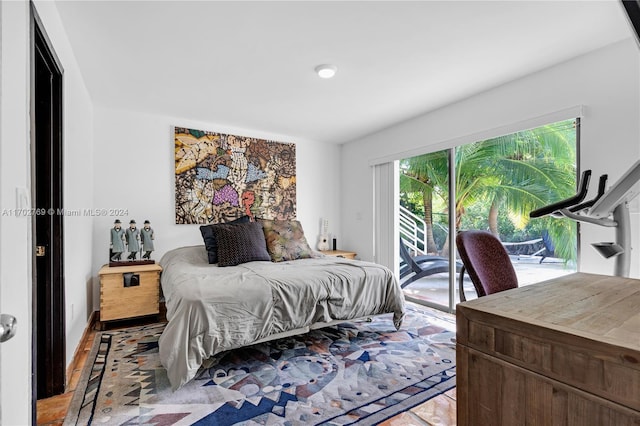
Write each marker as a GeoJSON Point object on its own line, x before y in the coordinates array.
{"type": "Point", "coordinates": [40, 251]}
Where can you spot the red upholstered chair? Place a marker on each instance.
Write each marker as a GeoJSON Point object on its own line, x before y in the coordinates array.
{"type": "Point", "coordinates": [486, 262]}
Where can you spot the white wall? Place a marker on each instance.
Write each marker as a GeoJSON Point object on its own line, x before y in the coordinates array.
{"type": "Point", "coordinates": [15, 171]}
{"type": "Point", "coordinates": [124, 138]}
{"type": "Point", "coordinates": [606, 82]}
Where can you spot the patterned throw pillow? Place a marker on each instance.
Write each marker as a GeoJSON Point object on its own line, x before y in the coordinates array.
{"type": "Point", "coordinates": [240, 243]}
{"type": "Point", "coordinates": [209, 237]}
{"type": "Point", "coordinates": [285, 240]}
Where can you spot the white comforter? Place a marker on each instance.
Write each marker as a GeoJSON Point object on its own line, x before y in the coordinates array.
{"type": "Point", "coordinates": [212, 309]}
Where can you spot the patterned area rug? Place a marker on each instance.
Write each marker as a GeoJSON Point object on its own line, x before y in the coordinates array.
{"type": "Point", "coordinates": [353, 373]}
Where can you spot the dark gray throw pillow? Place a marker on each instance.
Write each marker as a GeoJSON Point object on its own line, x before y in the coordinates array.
{"type": "Point", "coordinates": [240, 243]}
{"type": "Point", "coordinates": [210, 239]}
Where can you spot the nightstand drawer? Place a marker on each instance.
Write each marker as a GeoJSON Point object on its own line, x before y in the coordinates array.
{"type": "Point", "coordinates": [340, 253]}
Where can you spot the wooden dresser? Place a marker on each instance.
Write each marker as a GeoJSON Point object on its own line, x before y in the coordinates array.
{"type": "Point", "coordinates": [562, 352]}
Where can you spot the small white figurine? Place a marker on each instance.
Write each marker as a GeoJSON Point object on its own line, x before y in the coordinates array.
{"type": "Point", "coordinates": [323, 243]}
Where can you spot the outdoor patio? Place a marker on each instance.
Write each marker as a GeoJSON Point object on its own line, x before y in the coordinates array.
{"type": "Point", "coordinates": [435, 288]}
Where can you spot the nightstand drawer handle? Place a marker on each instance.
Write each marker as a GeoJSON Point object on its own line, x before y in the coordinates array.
{"type": "Point", "coordinates": [129, 279]}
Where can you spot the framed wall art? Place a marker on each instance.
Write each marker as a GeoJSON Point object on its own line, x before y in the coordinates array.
{"type": "Point", "coordinates": [220, 177]}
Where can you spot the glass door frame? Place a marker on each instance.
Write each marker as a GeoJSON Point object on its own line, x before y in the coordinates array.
{"type": "Point", "coordinates": [453, 276]}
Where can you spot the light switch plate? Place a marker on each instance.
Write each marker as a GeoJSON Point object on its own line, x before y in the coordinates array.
{"type": "Point", "coordinates": [22, 198]}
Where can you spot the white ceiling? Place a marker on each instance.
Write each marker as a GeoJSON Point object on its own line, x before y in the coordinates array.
{"type": "Point", "coordinates": [250, 64]}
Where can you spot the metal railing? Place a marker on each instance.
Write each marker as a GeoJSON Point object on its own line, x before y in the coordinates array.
{"type": "Point", "coordinates": [413, 230]}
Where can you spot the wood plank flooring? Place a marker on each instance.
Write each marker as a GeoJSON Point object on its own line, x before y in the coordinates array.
{"type": "Point", "coordinates": [440, 410]}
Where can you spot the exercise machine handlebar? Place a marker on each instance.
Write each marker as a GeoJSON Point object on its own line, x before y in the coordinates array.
{"type": "Point", "coordinates": [568, 202]}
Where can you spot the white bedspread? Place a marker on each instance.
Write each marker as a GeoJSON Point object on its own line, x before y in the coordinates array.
{"type": "Point", "coordinates": [212, 309]}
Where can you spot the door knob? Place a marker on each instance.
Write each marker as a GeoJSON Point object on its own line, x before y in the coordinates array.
{"type": "Point", "coordinates": [8, 327]}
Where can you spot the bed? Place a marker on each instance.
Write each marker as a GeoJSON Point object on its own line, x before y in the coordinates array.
{"type": "Point", "coordinates": [212, 309]}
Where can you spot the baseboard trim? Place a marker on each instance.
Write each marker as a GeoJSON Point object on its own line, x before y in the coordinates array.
{"type": "Point", "coordinates": [80, 348]}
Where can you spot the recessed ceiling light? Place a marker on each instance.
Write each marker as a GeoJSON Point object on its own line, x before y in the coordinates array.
{"type": "Point", "coordinates": [326, 70]}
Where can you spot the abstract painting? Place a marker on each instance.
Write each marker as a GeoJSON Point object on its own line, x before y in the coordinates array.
{"type": "Point", "coordinates": [220, 177]}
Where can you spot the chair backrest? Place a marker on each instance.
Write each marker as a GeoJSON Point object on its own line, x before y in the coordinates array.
{"type": "Point", "coordinates": [486, 261]}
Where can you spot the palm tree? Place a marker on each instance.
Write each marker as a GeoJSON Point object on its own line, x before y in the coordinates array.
{"type": "Point", "coordinates": [537, 167]}
{"type": "Point", "coordinates": [518, 172]}
{"type": "Point", "coordinates": [418, 176]}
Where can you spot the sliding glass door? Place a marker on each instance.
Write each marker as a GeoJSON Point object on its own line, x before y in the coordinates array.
{"type": "Point", "coordinates": [490, 185]}
{"type": "Point", "coordinates": [424, 228]}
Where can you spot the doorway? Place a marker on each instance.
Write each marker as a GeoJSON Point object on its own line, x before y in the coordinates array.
{"type": "Point", "coordinates": [491, 185]}
{"type": "Point", "coordinates": [47, 219]}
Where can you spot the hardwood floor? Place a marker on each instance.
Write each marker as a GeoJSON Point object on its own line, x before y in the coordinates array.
{"type": "Point", "coordinates": [440, 410]}
{"type": "Point", "coordinates": [52, 411]}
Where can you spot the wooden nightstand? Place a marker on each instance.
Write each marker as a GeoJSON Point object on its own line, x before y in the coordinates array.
{"type": "Point", "coordinates": [129, 291]}
{"type": "Point", "coordinates": [340, 253]}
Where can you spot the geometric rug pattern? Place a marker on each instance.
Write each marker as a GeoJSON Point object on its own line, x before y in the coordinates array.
{"type": "Point", "coordinates": [353, 373]}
